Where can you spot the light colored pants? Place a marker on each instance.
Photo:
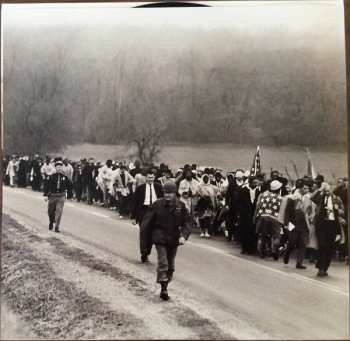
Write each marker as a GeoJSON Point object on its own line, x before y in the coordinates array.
{"type": "Point", "coordinates": [55, 208]}
{"type": "Point", "coordinates": [12, 180]}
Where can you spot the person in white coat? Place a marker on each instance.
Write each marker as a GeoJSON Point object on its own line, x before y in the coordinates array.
{"type": "Point", "coordinates": [188, 191]}
{"type": "Point", "coordinates": [67, 169]}
{"type": "Point", "coordinates": [104, 179]}
{"type": "Point", "coordinates": [11, 170]}
{"type": "Point", "coordinates": [121, 185]}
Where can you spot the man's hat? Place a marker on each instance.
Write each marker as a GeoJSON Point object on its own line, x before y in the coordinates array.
{"type": "Point", "coordinates": [170, 187]}
{"type": "Point", "coordinates": [275, 185]}
{"type": "Point", "coordinates": [239, 174]}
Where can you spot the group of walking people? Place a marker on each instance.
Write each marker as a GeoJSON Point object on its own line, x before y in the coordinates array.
{"type": "Point", "coordinates": [265, 216]}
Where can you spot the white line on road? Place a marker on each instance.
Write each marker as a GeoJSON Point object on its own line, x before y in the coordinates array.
{"type": "Point", "coordinates": [209, 248]}
{"type": "Point", "coordinates": [294, 275]}
{"type": "Point", "coordinates": [87, 211]}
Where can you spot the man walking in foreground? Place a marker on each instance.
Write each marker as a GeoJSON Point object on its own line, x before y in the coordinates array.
{"type": "Point", "coordinates": [169, 224]}
{"type": "Point", "coordinates": [58, 186]}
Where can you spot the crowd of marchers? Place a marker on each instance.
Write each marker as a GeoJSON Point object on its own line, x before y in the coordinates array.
{"type": "Point", "coordinates": [267, 216]}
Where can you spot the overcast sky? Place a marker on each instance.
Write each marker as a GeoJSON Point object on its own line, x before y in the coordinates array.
{"type": "Point", "coordinates": [248, 15]}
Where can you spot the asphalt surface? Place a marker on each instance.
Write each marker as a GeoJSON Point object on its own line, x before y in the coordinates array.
{"type": "Point", "coordinates": [256, 298]}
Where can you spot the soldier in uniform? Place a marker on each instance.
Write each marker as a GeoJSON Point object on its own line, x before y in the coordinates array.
{"type": "Point", "coordinates": [169, 224]}
{"type": "Point", "coordinates": [58, 187]}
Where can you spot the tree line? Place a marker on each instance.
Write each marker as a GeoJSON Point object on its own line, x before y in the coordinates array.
{"type": "Point", "coordinates": [121, 85]}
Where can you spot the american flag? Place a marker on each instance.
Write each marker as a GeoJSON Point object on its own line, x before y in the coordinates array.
{"type": "Point", "coordinates": [269, 204]}
{"type": "Point", "coordinates": [256, 166]}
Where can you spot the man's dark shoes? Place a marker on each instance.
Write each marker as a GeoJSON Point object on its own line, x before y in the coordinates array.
{"type": "Point", "coordinates": [322, 273]}
{"type": "Point", "coordinates": [57, 230]}
{"type": "Point", "coordinates": [50, 226]}
{"type": "Point", "coordinates": [144, 259]}
{"type": "Point", "coordinates": [300, 266]}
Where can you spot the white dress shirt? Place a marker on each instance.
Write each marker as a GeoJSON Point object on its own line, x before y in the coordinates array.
{"type": "Point", "coordinates": [149, 190]}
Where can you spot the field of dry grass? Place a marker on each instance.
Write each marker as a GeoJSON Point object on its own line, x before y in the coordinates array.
{"type": "Point", "coordinates": [227, 157]}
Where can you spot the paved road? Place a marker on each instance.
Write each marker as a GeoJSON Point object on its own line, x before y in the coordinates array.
{"type": "Point", "coordinates": [255, 298]}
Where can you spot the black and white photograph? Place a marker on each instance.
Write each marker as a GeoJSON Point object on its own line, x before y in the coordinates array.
{"type": "Point", "coordinates": [174, 170]}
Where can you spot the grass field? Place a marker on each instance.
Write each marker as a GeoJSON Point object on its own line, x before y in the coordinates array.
{"type": "Point", "coordinates": [226, 156]}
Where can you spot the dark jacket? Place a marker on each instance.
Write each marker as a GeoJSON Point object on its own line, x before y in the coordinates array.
{"type": "Point", "coordinates": [166, 223]}
{"type": "Point", "coordinates": [245, 207]}
{"type": "Point", "coordinates": [321, 213]}
{"type": "Point", "coordinates": [88, 176]}
{"type": "Point", "coordinates": [138, 209]}
{"type": "Point", "coordinates": [55, 186]}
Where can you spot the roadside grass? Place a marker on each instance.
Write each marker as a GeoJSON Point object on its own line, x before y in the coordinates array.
{"type": "Point", "coordinates": [54, 308]}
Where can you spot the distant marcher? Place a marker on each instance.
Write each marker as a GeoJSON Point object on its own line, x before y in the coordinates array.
{"type": "Point", "coordinates": [22, 172]}
{"type": "Point", "coordinates": [67, 169]}
{"type": "Point", "coordinates": [137, 169]}
{"type": "Point", "coordinates": [11, 170]}
{"type": "Point", "coordinates": [342, 192]}
{"type": "Point", "coordinates": [104, 179]}
{"type": "Point", "coordinates": [144, 197]}
{"type": "Point", "coordinates": [267, 221]}
{"type": "Point", "coordinates": [58, 188]}
{"type": "Point", "coordinates": [205, 206]}
{"type": "Point", "coordinates": [122, 182]}
{"type": "Point", "coordinates": [231, 206]}
{"type": "Point", "coordinates": [78, 182]}
{"type": "Point", "coordinates": [88, 180]}
{"type": "Point", "coordinates": [169, 224]}
{"type": "Point", "coordinates": [35, 174]}
{"type": "Point", "coordinates": [247, 198]}
{"type": "Point", "coordinates": [299, 234]}
{"type": "Point", "coordinates": [327, 223]}
{"type": "Point", "coordinates": [47, 169]}
{"type": "Point", "coordinates": [239, 183]}
{"type": "Point", "coordinates": [188, 191]}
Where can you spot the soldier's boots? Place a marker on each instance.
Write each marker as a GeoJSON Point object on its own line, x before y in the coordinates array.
{"type": "Point", "coordinates": [164, 292]}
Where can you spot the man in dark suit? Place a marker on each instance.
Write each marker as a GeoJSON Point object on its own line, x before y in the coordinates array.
{"type": "Point", "coordinates": [35, 174]}
{"type": "Point", "coordinates": [88, 180]}
{"type": "Point", "coordinates": [329, 211]}
{"type": "Point", "coordinates": [145, 195]}
{"type": "Point", "coordinates": [247, 198]}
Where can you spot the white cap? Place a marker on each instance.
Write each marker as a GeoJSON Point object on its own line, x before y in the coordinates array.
{"type": "Point", "coordinates": [275, 185]}
{"type": "Point", "coordinates": [239, 174]}
{"type": "Point", "coordinates": [247, 173]}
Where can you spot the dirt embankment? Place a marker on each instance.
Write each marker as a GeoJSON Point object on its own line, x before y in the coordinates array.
{"type": "Point", "coordinates": [61, 291]}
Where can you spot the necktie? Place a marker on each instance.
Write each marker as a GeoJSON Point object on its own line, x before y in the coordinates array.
{"type": "Point", "coordinates": [58, 182]}
{"type": "Point", "coordinates": [150, 194]}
